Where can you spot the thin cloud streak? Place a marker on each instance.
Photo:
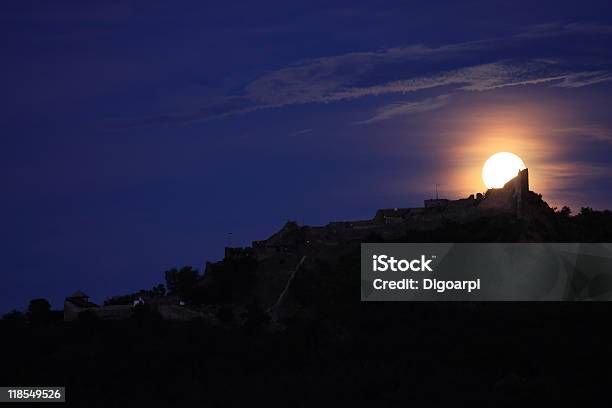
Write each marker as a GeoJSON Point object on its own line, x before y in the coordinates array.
{"type": "Point", "coordinates": [405, 108]}
{"type": "Point", "coordinates": [581, 79]}
{"type": "Point", "coordinates": [300, 132]}
{"type": "Point", "coordinates": [350, 76]}
{"type": "Point", "coordinates": [556, 29]}
{"type": "Point", "coordinates": [591, 132]}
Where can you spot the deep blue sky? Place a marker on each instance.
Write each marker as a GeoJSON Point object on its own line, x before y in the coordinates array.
{"type": "Point", "coordinates": [136, 135]}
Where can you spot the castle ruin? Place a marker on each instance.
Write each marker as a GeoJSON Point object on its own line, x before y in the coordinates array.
{"type": "Point", "coordinates": [392, 222]}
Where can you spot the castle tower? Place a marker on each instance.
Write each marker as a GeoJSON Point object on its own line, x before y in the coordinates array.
{"type": "Point", "coordinates": [511, 197]}
{"type": "Point", "coordinates": [521, 188]}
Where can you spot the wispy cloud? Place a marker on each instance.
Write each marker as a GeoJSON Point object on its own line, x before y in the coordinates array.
{"type": "Point", "coordinates": [215, 109]}
{"type": "Point", "coordinates": [400, 70]}
{"type": "Point", "coordinates": [555, 29]}
{"type": "Point", "coordinates": [405, 108]}
{"type": "Point", "coordinates": [300, 132]}
{"type": "Point", "coordinates": [581, 79]}
{"type": "Point", "coordinates": [592, 132]}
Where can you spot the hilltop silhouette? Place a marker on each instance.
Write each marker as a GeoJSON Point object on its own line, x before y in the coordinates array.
{"type": "Point", "coordinates": [281, 321]}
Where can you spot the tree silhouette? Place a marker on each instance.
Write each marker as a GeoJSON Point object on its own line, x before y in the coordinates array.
{"type": "Point", "coordinates": [13, 316]}
{"type": "Point", "coordinates": [158, 291]}
{"type": "Point", "coordinates": [155, 292]}
{"type": "Point", "coordinates": [565, 211]}
{"type": "Point", "coordinates": [39, 310]}
{"type": "Point", "coordinates": [180, 281]}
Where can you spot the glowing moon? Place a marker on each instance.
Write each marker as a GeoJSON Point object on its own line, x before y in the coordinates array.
{"type": "Point", "coordinates": [501, 168]}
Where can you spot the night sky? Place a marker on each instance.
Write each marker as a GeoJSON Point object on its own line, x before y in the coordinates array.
{"type": "Point", "coordinates": [137, 135]}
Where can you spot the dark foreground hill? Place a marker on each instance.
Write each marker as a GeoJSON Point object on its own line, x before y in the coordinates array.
{"type": "Point", "coordinates": [327, 347]}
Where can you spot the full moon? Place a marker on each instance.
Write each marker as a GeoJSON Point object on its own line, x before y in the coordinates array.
{"type": "Point", "coordinates": [501, 168]}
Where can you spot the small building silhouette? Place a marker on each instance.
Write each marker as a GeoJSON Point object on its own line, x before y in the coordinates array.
{"type": "Point", "coordinates": [79, 302]}
{"type": "Point", "coordinates": [76, 303]}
